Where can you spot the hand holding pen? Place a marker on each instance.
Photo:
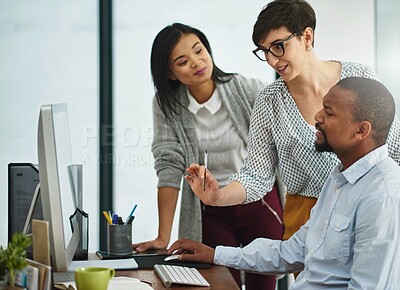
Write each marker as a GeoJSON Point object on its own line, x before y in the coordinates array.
{"type": "Point", "coordinates": [208, 191]}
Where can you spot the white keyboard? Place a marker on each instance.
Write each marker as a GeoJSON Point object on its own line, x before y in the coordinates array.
{"type": "Point", "coordinates": [170, 274]}
{"type": "Point", "coordinates": [117, 264]}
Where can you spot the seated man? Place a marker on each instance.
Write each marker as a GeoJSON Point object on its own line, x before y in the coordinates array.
{"type": "Point", "coordinates": [352, 238]}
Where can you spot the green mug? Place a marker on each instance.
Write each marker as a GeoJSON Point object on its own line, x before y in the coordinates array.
{"type": "Point", "coordinates": [93, 278]}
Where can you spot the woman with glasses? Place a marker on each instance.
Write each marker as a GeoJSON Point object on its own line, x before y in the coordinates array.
{"type": "Point", "coordinates": [199, 107]}
{"type": "Point", "coordinates": [282, 132]}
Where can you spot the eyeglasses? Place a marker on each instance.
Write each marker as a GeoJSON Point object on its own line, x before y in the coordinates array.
{"type": "Point", "coordinates": [277, 49]}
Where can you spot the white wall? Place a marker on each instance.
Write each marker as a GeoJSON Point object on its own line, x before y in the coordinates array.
{"type": "Point", "coordinates": [49, 54]}
{"type": "Point", "coordinates": [387, 45]}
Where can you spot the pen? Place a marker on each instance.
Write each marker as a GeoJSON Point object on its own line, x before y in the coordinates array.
{"type": "Point", "coordinates": [130, 217]}
{"type": "Point", "coordinates": [133, 210]}
{"type": "Point", "coordinates": [107, 217]}
{"type": "Point", "coordinates": [205, 168]}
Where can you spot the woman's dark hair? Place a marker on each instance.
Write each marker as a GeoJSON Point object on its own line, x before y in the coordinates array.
{"type": "Point", "coordinates": [163, 44]}
{"type": "Point", "coordinates": [295, 15]}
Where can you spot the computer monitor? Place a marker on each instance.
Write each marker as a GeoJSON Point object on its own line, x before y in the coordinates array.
{"type": "Point", "coordinates": [54, 156]}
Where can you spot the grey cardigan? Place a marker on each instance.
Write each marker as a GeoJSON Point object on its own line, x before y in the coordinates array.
{"type": "Point", "coordinates": [175, 144]}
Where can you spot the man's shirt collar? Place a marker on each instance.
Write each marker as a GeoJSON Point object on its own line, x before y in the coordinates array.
{"type": "Point", "coordinates": [363, 165]}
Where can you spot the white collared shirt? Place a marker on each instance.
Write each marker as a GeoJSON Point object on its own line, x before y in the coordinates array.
{"type": "Point", "coordinates": [213, 104]}
{"type": "Point", "coordinates": [216, 133]}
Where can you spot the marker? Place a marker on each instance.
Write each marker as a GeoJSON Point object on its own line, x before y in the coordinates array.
{"type": "Point", "coordinates": [107, 217]}
{"type": "Point", "coordinates": [120, 221]}
{"type": "Point", "coordinates": [130, 219]}
{"type": "Point", "coordinates": [115, 219]}
{"type": "Point", "coordinates": [205, 168]}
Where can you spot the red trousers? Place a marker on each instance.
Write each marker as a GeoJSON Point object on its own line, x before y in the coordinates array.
{"type": "Point", "coordinates": [239, 225]}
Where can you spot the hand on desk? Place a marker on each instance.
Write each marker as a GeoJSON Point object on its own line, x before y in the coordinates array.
{"type": "Point", "coordinates": [192, 251]}
{"type": "Point", "coordinates": [156, 244]}
{"type": "Point", "coordinates": [210, 194]}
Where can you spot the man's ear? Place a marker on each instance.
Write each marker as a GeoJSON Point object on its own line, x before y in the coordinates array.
{"type": "Point", "coordinates": [364, 130]}
{"type": "Point", "coordinates": [172, 76]}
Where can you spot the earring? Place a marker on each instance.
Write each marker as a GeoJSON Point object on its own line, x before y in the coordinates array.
{"type": "Point", "coordinates": [308, 48]}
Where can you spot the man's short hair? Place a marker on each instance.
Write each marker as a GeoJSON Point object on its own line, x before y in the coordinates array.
{"type": "Point", "coordinates": [373, 103]}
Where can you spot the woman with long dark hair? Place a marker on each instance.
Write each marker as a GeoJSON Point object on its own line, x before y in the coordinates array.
{"type": "Point", "coordinates": [199, 107]}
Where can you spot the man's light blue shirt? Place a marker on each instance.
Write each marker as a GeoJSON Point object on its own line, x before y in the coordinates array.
{"type": "Point", "coordinates": [351, 240]}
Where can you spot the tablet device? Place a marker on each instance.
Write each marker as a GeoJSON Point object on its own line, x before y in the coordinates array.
{"type": "Point", "coordinates": [147, 260]}
{"type": "Point", "coordinates": [106, 256]}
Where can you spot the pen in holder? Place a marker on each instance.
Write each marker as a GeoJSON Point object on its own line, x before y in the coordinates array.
{"type": "Point", "coordinates": [119, 239]}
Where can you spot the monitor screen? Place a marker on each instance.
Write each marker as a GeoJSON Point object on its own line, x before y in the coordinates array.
{"type": "Point", "coordinates": [54, 156]}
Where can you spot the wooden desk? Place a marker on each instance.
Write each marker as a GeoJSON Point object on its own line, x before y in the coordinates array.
{"type": "Point", "coordinates": [219, 278]}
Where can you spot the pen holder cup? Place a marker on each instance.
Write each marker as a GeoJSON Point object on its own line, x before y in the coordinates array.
{"type": "Point", "coordinates": [119, 239]}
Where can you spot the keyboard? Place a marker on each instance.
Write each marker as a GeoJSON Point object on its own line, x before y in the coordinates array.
{"type": "Point", "coordinates": [117, 264]}
{"type": "Point", "coordinates": [170, 274]}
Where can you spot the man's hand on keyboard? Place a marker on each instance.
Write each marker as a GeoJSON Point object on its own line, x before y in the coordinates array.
{"type": "Point", "coordinates": [193, 251]}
